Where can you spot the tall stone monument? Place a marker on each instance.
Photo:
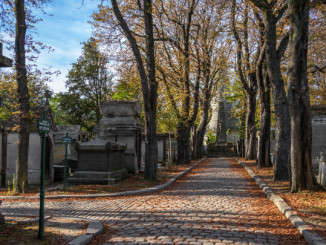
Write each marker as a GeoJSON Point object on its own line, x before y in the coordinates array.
{"type": "Point", "coordinates": [120, 124]}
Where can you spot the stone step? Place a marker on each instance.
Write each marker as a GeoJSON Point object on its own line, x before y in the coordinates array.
{"type": "Point", "coordinates": [73, 181]}
{"type": "Point", "coordinates": [100, 174]}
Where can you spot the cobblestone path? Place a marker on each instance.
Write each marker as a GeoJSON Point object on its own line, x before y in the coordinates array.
{"type": "Point", "coordinates": [210, 206]}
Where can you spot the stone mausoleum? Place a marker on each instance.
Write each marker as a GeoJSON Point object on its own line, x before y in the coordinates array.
{"type": "Point", "coordinates": [116, 149]}
{"type": "Point", "coordinates": [121, 124]}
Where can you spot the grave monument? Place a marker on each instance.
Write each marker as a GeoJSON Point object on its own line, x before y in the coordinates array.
{"type": "Point", "coordinates": [116, 149]}
{"type": "Point", "coordinates": [120, 124]}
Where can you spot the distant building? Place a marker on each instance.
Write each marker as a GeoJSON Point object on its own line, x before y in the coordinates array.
{"type": "Point", "coordinates": [223, 124]}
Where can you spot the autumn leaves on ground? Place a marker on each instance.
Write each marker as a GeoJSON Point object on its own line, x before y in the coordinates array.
{"type": "Point", "coordinates": [310, 205]}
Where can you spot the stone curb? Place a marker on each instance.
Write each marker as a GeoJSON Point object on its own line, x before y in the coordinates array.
{"type": "Point", "coordinates": [311, 237]}
{"type": "Point", "coordinates": [93, 229]}
{"type": "Point", "coordinates": [117, 194]}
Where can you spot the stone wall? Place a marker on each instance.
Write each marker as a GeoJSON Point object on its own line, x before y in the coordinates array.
{"type": "Point", "coordinates": [34, 158]}
{"type": "Point", "coordinates": [318, 134]}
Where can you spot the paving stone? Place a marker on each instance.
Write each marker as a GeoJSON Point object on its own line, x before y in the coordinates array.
{"type": "Point", "coordinates": [209, 207]}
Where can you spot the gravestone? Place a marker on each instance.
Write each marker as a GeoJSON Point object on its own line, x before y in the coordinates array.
{"type": "Point", "coordinates": [120, 124]}
{"type": "Point", "coordinates": [99, 162]}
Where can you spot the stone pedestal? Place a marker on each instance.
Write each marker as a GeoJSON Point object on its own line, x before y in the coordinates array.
{"type": "Point", "coordinates": [120, 124]}
{"type": "Point", "coordinates": [99, 162]}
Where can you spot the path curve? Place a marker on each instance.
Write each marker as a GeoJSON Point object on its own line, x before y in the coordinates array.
{"type": "Point", "coordinates": [215, 204]}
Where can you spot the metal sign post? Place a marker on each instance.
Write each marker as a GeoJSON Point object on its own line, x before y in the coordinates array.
{"type": "Point", "coordinates": [65, 140]}
{"type": "Point", "coordinates": [43, 127]}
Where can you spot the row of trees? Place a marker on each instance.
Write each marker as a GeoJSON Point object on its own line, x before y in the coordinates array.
{"type": "Point", "coordinates": [183, 48]}
{"type": "Point", "coordinates": [181, 51]}
{"type": "Point", "coordinates": [177, 53]}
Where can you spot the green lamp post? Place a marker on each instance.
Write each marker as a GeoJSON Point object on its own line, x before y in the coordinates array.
{"type": "Point", "coordinates": [43, 126]}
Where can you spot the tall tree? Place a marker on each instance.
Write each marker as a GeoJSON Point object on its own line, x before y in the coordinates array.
{"type": "Point", "coordinates": [272, 13]}
{"type": "Point", "coordinates": [213, 55]}
{"type": "Point", "coordinates": [89, 84]}
{"type": "Point", "coordinates": [264, 99]}
{"type": "Point", "coordinates": [23, 98]}
{"type": "Point", "coordinates": [180, 74]}
{"type": "Point", "coordinates": [298, 94]}
{"type": "Point", "coordinates": [148, 80]}
{"type": "Point", "coordinates": [246, 68]}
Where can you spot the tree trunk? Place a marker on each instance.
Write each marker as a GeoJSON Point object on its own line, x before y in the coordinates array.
{"type": "Point", "coordinates": [181, 136]}
{"type": "Point", "coordinates": [23, 135]}
{"type": "Point", "coordinates": [298, 95]}
{"type": "Point", "coordinates": [4, 142]}
{"type": "Point", "coordinates": [187, 145]}
{"type": "Point", "coordinates": [200, 133]}
{"type": "Point", "coordinates": [265, 124]}
{"type": "Point", "coordinates": [148, 82]}
{"type": "Point", "coordinates": [151, 99]}
{"type": "Point", "coordinates": [282, 125]}
{"type": "Point", "coordinates": [250, 127]}
{"type": "Point", "coordinates": [201, 129]}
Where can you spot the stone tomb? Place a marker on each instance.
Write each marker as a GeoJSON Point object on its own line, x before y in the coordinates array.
{"type": "Point", "coordinates": [99, 162]}
{"type": "Point", "coordinates": [120, 124]}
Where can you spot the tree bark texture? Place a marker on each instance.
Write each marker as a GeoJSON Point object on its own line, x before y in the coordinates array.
{"type": "Point", "coordinates": [265, 123]}
{"type": "Point", "coordinates": [282, 125]}
{"type": "Point", "coordinates": [20, 63]}
{"type": "Point", "coordinates": [201, 129]}
{"type": "Point", "coordinates": [273, 58]}
{"type": "Point", "coordinates": [150, 104]}
{"type": "Point", "coordinates": [148, 82]}
{"type": "Point", "coordinates": [264, 100]}
{"type": "Point", "coordinates": [251, 126]}
{"type": "Point", "coordinates": [4, 142]}
{"type": "Point", "coordinates": [298, 95]}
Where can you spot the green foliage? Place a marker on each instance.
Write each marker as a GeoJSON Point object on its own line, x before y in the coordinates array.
{"type": "Point", "coordinates": [234, 94]}
{"type": "Point", "coordinates": [8, 92]}
{"type": "Point", "coordinates": [123, 91]}
{"type": "Point", "coordinates": [211, 138]}
{"type": "Point", "coordinates": [89, 84]}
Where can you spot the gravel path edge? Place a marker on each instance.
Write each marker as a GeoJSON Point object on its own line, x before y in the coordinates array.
{"type": "Point", "coordinates": [311, 237]}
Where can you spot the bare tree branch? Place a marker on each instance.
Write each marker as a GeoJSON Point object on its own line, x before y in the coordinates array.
{"type": "Point", "coordinates": [317, 68]}
{"type": "Point", "coordinates": [282, 46]}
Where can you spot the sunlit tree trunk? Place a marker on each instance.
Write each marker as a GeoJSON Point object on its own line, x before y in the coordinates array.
{"type": "Point", "coordinates": [23, 97]}
{"type": "Point", "coordinates": [148, 81]}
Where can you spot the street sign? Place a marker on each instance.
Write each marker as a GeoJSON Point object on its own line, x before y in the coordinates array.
{"type": "Point", "coordinates": [43, 125]}
{"type": "Point", "coordinates": [66, 139]}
